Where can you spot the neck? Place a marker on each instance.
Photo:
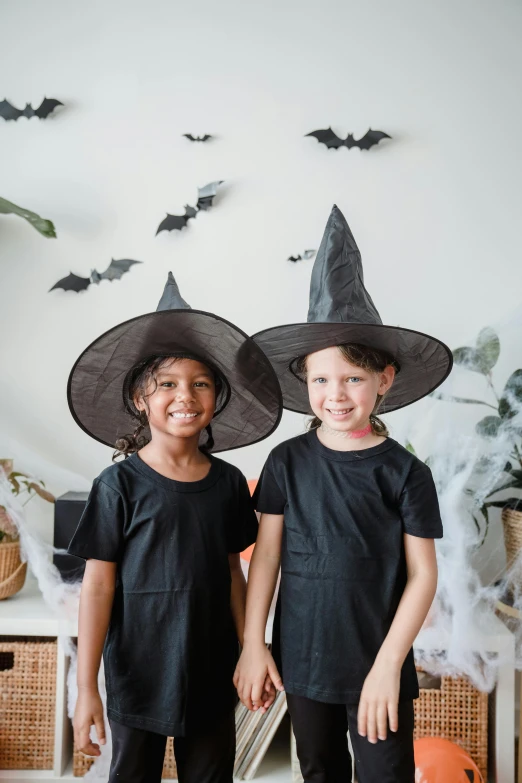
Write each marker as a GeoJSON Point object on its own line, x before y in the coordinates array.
{"type": "Point", "coordinates": [352, 434]}
{"type": "Point", "coordinates": [354, 440]}
{"type": "Point", "coordinates": [173, 451]}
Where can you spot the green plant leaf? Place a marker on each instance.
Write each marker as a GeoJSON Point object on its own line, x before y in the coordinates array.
{"type": "Point", "coordinates": [489, 426]}
{"type": "Point", "coordinates": [484, 356]}
{"type": "Point", "coordinates": [512, 394]}
{"type": "Point", "coordinates": [410, 448]}
{"type": "Point", "coordinates": [488, 346]}
{"type": "Point", "coordinates": [45, 227]}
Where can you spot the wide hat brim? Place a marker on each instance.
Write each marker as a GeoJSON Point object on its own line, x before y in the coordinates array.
{"type": "Point", "coordinates": [95, 387]}
{"type": "Point", "coordinates": [424, 361]}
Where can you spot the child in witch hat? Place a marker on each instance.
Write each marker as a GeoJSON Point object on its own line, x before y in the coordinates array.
{"type": "Point", "coordinates": [163, 591]}
{"type": "Point", "coordinates": [351, 516]}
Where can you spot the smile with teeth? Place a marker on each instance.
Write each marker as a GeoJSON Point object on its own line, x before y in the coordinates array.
{"type": "Point", "coordinates": [339, 413]}
{"type": "Point", "coordinates": [181, 415]}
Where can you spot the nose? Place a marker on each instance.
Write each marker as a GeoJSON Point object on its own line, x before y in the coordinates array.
{"type": "Point", "coordinates": [184, 392]}
{"type": "Point", "coordinates": [337, 392]}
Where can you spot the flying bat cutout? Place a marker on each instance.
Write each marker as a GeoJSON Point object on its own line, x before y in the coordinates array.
{"type": "Point", "coordinates": [114, 271]}
{"type": "Point", "coordinates": [206, 196]}
{"type": "Point", "coordinates": [10, 112]}
{"type": "Point", "coordinates": [190, 137]}
{"type": "Point", "coordinates": [305, 256]}
{"type": "Point", "coordinates": [332, 140]}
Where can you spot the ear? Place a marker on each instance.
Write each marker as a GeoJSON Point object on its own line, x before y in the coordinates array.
{"type": "Point", "coordinates": [387, 378]}
{"type": "Point", "coordinates": [139, 403]}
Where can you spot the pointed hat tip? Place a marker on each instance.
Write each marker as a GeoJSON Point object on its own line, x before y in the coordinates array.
{"type": "Point", "coordinates": [171, 298]}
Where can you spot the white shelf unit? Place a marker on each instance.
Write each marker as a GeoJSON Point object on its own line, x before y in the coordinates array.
{"type": "Point", "coordinates": [26, 614]}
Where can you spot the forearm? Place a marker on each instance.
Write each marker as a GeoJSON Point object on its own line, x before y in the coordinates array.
{"type": "Point", "coordinates": [238, 601]}
{"type": "Point", "coordinates": [411, 613]}
{"type": "Point", "coordinates": [262, 580]}
{"type": "Point", "coordinates": [93, 622]}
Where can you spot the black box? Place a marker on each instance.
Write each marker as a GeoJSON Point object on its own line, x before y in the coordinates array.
{"type": "Point", "coordinates": [67, 512]}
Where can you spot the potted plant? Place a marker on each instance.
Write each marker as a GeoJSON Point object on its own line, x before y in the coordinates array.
{"type": "Point", "coordinates": [12, 570]}
{"type": "Point", "coordinates": [504, 422]}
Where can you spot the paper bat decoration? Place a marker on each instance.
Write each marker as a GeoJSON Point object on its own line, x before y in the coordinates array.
{"type": "Point", "coordinates": [114, 271]}
{"type": "Point", "coordinates": [206, 195]}
{"type": "Point", "coordinates": [10, 112]}
{"type": "Point", "coordinates": [332, 140]}
{"type": "Point", "coordinates": [307, 254]}
{"type": "Point", "coordinates": [189, 136]}
{"type": "Point", "coordinates": [178, 222]}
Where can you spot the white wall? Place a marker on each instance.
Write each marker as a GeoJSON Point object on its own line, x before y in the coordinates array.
{"type": "Point", "coordinates": [435, 211]}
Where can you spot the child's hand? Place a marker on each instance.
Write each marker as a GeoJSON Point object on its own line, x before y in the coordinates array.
{"type": "Point", "coordinates": [88, 712]}
{"type": "Point", "coordinates": [379, 701]}
{"type": "Point", "coordinates": [256, 678]}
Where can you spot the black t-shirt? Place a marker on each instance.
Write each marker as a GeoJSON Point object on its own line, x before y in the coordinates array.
{"type": "Point", "coordinates": [343, 567]}
{"type": "Point", "coordinates": [171, 647]}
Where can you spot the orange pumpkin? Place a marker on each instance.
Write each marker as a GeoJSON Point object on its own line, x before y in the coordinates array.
{"type": "Point", "coordinates": [247, 554]}
{"type": "Point", "coordinates": [441, 761]}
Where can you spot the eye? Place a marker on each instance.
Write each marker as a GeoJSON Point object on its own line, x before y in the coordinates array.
{"type": "Point", "coordinates": [167, 384]}
{"type": "Point", "coordinates": [319, 380]}
{"type": "Point", "coordinates": [202, 383]}
{"type": "Point", "coordinates": [354, 379]}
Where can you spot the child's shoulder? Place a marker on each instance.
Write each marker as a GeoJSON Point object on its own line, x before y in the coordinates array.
{"type": "Point", "coordinates": [299, 445]}
{"type": "Point", "coordinates": [116, 475]}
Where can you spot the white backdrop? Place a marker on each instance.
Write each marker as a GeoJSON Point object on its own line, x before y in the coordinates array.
{"type": "Point", "coordinates": [435, 211]}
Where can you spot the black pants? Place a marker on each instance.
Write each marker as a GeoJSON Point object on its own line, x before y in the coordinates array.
{"type": "Point", "coordinates": [322, 744]}
{"type": "Point", "coordinates": [208, 757]}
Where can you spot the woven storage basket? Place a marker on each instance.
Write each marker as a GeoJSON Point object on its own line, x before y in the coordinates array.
{"type": "Point", "coordinates": [12, 570]}
{"type": "Point", "coordinates": [27, 702]}
{"type": "Point", "coordinates": [82, 763]}
{"type": "Point", "coordinates": [512, 523]}
{"type": "Point", "coordinates": [456, 711]}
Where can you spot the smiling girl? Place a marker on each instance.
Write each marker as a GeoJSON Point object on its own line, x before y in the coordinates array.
{"type": "Point", "coordinates": [350, 516]}
{"type": "Point", "coordinates": [163, 592]}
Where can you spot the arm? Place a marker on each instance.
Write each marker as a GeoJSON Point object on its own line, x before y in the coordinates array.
{"type": "Point", "coordinates": [380, 693]}
{"type": "Point", "coordinates": [256, 664]}
{"type": "Point", "coordinates": [96, 599]}
{"type": "Point", "coordinates": [237, 595]}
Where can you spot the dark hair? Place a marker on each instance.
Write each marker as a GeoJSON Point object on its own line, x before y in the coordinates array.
{"type": "Point", "coordinates": [371, 359]}
{"type": "Point", "coordinates": [135, 385]}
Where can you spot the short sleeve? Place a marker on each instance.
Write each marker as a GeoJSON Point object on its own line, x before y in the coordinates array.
{"type": "Point", "coordinates": [99, 534]}
{"type": "Point", "coordinates": [419, 505]}
{"type": "Point", "coordinates": [268, 497]}
{"type": "Point", "coordinates": [243, 526]}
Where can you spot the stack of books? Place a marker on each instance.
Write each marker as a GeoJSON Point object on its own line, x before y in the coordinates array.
{"type": "Point", "coordinates": [254, 733]}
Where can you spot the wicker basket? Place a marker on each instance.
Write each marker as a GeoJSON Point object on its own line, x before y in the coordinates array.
{"type": "Point", "coordinates": [456, 711]}
{"type": "Point", "coordinates": [12, 570]}
{"type": "Point", "coordinates": [27, 703]}
{"type": "Point", "coordinates": [82, 763]}
{"type": "Point", "coordinates": [512, 523]}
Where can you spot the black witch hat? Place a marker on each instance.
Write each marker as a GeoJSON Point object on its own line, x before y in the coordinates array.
{"type": "Point", "coordinates": [250, 406]}
{"type": "Point", "coordinates": [342, 312]}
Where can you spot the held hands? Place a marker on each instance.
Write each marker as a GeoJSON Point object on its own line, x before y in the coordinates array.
{"type": "Point", "coordinates": [378, 705]}
{"type": "Point", "coordinates": [88, 712]}
{"type": "Point", "coordinates": [257, 679]}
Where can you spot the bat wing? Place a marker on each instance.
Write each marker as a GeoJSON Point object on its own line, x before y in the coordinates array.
{"type": "Point", "coordinates": [294, 259]}
{"type": "Point", "coordinates": [206, 137]}
{"type": "Point", "coordinates": [370, 138]}
{"type": "Point", "coordinates": [47, 106]}
{"type": "Point", "coordinates": [327, 137]}
{"type": "Point", "coordinates": [8, 111]}
{"type": "Point", "coordinates": [72, 283]}
{"type": "Point", "coordinates": [207, 194]}
{"type": "Point", "coordinates": [117, 268]}
{"type": "Point", "coordinates": [189, 136]}
{"type": "Point", "coordinates": [177, 222]}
